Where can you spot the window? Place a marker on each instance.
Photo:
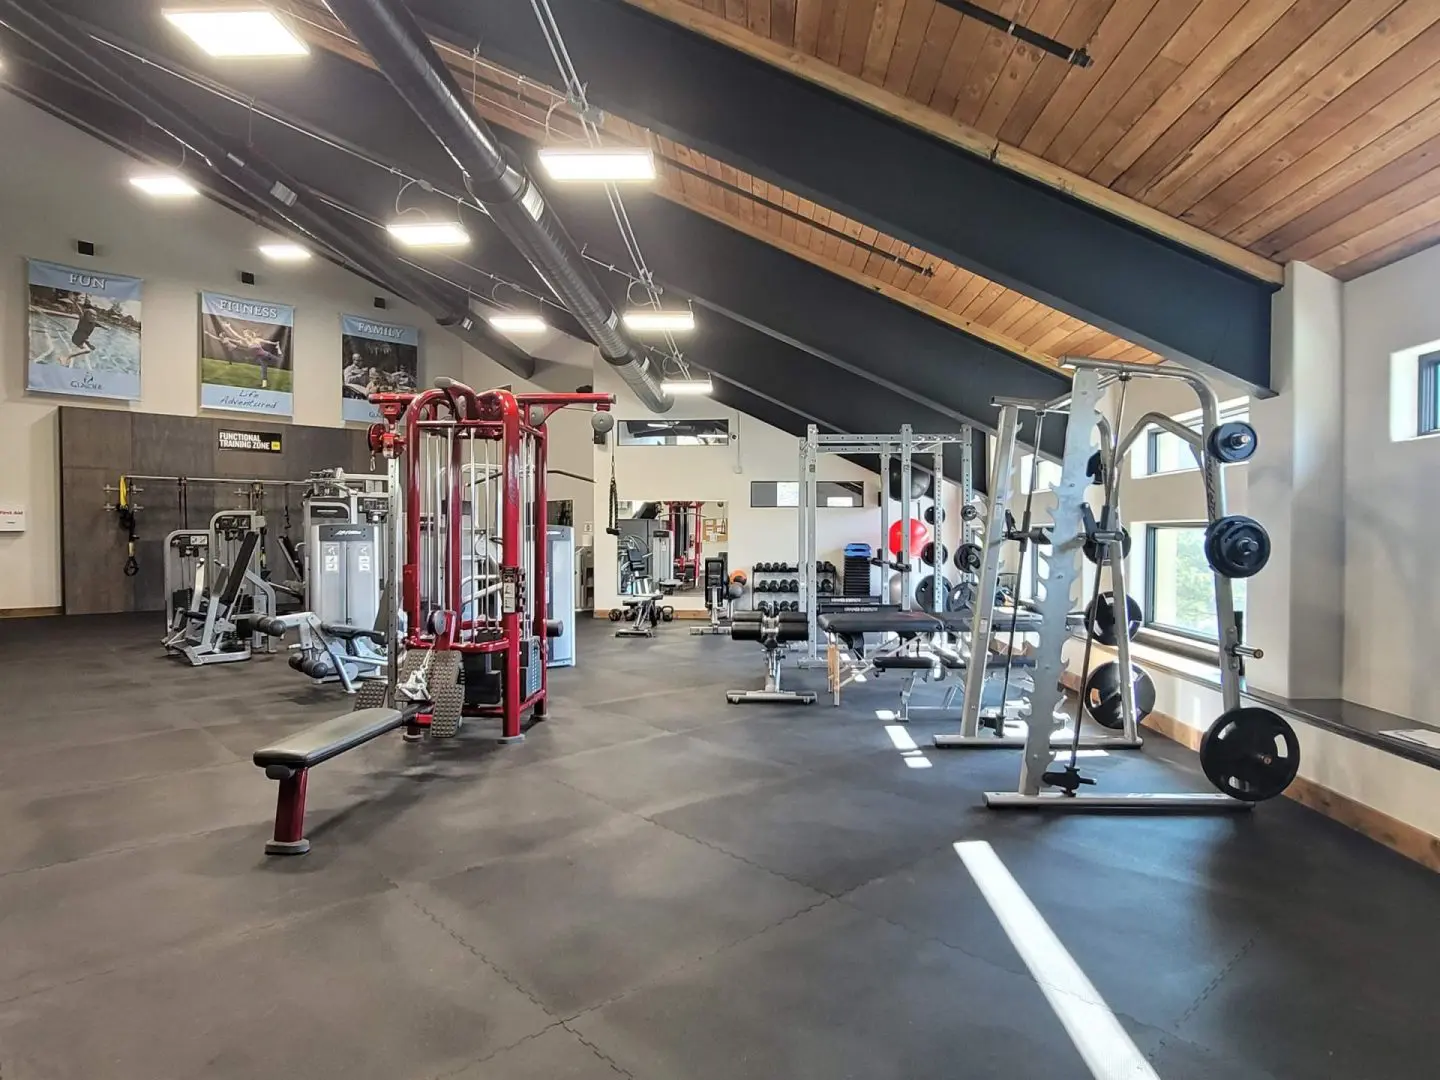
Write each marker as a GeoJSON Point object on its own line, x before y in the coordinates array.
{"type": "Point", "coordinates": [1429, 394]}
{"type": "Point", "coordinates": [1049, 474]}
{"type": "Point", "coordinates": [1179, 584]}
{"type": "Point", "coordinates": [674, 432]}
{"type": "Point", "coordinates": [828, 493]}
{"type": "Point", "coordinates": [1168, 453]}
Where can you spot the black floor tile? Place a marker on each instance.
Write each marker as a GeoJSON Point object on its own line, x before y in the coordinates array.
{"type": "Point", "coordinates": [370, 989]}
{"type": "Point", "coordinates": [802, 1001]}
{"type": "Point", "coordinates": [582, 922]}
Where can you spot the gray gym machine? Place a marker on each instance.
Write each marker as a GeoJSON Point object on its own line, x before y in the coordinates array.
{"type": "Point", "coordinates": [215, 591]}
{"type": "Point", "coordinates": [1039, 786]}
{"type": "Point", "coordinates": [774, 633]}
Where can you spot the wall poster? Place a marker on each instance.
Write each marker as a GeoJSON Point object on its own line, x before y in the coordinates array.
{"type": "Point", "coordinates": [246, 352]}
{"type": "Point", "coordinates": [84, 332]}
{"type": "Point", "coordinates": [377, 358]}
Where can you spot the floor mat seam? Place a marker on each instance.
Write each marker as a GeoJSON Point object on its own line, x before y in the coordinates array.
{"type": "Point", "coordinates": [1240, 954]}
{"type": "Point", "coordinates": [597, 1051]}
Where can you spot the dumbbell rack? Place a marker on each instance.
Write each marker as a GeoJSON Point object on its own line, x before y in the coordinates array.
{"type": "Point", "coordinates": [772, 572]}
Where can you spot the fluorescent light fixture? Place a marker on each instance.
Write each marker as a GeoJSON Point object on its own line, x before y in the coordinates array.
{"type": "Point", "coordinates": [165, 186]}
{"type": "Point", "coordinates": [519, 324]}
{"type": "Point", "coordinates": [428, 233]}
{"type": "Point", "coordinates": [650, 319]}
{"type": "Point", "coordinates": [693, 387]}
{"type": "Point", "coordinates": [608, 164]}
{"type": "Point", "coordinates": [236, 30]}
{"type": "Point", "coordinates": [281, 251]}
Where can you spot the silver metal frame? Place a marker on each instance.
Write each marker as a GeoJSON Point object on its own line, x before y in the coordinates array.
{"type": "Point", "coordinates": [1063, 565]}
{"type": "Point", "coordinates": [906, 443]}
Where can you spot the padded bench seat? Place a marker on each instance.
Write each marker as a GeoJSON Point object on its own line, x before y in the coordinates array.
{"type": "Point", "coordinates": [346, 632]}
{"type": "Point", "coordinates": [308, 748]}
{"type": "Point", "coordinates": [290, 761]}
{"type": "Point", "coordinates": [920, 622]}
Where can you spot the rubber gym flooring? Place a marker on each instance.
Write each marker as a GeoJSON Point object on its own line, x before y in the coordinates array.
{"type": "Point", "coordinates": [655, 885]}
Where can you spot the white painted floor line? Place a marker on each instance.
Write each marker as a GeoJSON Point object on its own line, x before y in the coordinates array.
{"type": "Point", "coordinates": [1103, 1044]}
{"type": "Point", "coordinates": [902, 739]}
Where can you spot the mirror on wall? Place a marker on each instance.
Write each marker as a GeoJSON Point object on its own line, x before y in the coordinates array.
{"type": "Point", "coordinates": [663, 545]}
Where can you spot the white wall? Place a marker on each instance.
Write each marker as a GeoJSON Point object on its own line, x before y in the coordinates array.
{"type": "Point", "coordinates": [178, 248]}
{"type": "Point", "coordinates": [757, 451]}
{"type": "Point", "coordinates": [1392, 515]}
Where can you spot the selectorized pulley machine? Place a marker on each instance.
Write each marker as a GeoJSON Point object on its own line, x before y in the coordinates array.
{"type": "Point", "coordinates": [473, 561]}
{"type": "Point", "coordinates": [215, 591]}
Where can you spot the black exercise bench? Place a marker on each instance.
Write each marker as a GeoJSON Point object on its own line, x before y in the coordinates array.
{"type": "Point", "coordinates": [291, 759]}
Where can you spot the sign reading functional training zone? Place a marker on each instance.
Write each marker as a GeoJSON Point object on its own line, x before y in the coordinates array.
{"type": "Point", "coordinates": [84, 332]}
{"type": "Point", "coordinates": [262, 442]}
{"type": "Point", "coordinates": [377, 358]}
{"type": "Point", "coordinates": [246, 355]}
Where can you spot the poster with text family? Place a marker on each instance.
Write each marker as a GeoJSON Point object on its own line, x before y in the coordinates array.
{"type": "Point", "coordinates": [246, 355]}
{"type": "Point", "coordinates": [378, 358]}
{"type": "Point", "coordinates": [84, 332]}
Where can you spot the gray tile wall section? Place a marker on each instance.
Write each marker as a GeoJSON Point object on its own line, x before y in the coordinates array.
{"type": "Point", "coordinates": [98, 445]}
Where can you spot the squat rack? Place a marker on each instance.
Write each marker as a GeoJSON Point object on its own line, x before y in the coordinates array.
{"type": "Point", "coordinates": [1067, 538]}
{"type": "Point", "coordinates": [906, 444]}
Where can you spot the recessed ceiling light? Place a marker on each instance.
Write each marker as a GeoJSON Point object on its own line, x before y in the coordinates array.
{"type": "Point", "coordinates": [519, 324]}
{"type": "Point", "coordinates": [284, 252]}
{"type": "Point", "coordinates": [608, 164]}
{"type": "Point", "coordinates": [428, 233]}
{"type": "Point", "coordinates": [686, 386]}
{"type": "Point", "coordinates": [236, 30]}
{"type": "Point", "coordinates": [165, 185]}
{"type": "Point", "coordinates": [651, 319]}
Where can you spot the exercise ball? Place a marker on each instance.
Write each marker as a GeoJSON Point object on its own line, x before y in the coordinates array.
{"type": "Point", "coordinates": [897, 588]}
{"type": "Point", "coordinates": [919, 537]}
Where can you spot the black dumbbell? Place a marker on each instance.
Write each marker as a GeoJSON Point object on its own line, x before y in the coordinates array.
{"type": "Point", "coordinates": [827, 586]}
{"type": "Point", "coordinates": [794, 585]}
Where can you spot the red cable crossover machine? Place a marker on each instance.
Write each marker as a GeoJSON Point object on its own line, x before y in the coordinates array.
{"type": "Point", "coordinates": [472, 584]}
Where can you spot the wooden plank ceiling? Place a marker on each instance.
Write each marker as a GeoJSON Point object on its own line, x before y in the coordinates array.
{"type": "Point", "coordinates": [1293, 129]}
{"type": "Point", "coordinates": [798, 226]}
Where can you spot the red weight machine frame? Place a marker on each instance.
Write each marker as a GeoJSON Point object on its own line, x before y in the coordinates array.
{"type": "Point", "coordinates": [434, 486]}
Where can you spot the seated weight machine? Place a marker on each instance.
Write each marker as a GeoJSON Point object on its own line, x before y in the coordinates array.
{"type": "Point", "coordinates": [214, 590]}
{"type": "Point", "coordinates": [774, 632]}
{"type": "Point", "coordinates": [1249, 753]}
{"type": "Point", "coordinates": [721, 592]}
{"type": "Point", "coordinates": [640, 598]}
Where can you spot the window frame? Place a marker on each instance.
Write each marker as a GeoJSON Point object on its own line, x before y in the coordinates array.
{"type": "Point", "coordinates": [1235, 409]}
{"type": "Point", "coordinates": [1428, 420]}
{"type": "Point", "coordinates": [1149, 622]}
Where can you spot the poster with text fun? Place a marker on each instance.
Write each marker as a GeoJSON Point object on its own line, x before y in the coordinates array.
{"type": "Point", "coordinates": [246, 355]}
{"type": "Point", "coordinates": [84, 330]}
{"type": "Point", "coordinates": [376, 358]}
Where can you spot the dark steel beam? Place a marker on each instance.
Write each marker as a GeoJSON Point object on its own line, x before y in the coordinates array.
{"type": "Point", "coordinates": [890, 176]}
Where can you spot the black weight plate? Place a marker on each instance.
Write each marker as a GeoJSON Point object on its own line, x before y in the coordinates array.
{"type": "Point", "coordinates": [968, 557]}
{"type": "Point", "coordinates": [928, 556]}
{"type": "Point", "coordinates": [1095, 469]}
{"type": "Point", "coordinates": [1250, 754]}
{"type": "Point", "coordinates": [925, 593]}
{"type": "Point", "coordinates": [1231, 442]}
{"type": "Point", "coordinates": [1237, 546]}
{"type": "Point", "coordinates": [1092, 547]}
{"type": "Point", "coordinates": [962, 596]}
{"type": "Point", "coordinates": [931, 512]}
{"type": "Point", "coordinates": [969, 512]}
{"type": "Point", "coordinates": [1100, 618]}
{"type": "Point", "coordinates": [1102, 695]}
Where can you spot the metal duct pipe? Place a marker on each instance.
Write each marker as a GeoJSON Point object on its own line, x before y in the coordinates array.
{"type": "Point", "coordinates": [268, 188]}
{"type": "Point", "coordinates": [389, 32]}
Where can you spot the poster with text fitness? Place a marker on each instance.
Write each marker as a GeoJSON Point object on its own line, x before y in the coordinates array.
{"type": "Point", "coordinates": [377, 358]}
{"type": "Point", "coordinates": [246, 355]}
{"type": "Point", "coordinates": [84, 332]}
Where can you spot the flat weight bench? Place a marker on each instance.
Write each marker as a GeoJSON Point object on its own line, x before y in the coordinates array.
{"type": "Point", "coordinates": [291, 759]}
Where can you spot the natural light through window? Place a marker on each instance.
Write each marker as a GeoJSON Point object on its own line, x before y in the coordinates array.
{"type": "Point", "coordinates": [1179, 584]}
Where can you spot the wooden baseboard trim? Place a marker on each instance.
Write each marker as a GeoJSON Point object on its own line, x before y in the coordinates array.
{"type": "Point", "coordinates": [1397, 835]}
{"type": "Point", "coordinates": [27, 612]}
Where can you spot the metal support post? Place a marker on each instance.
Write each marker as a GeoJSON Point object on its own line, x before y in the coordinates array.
{"type": "Point", "coordinates": [903, 557]}
{"type": "Point", "coordinates": [939, 595]}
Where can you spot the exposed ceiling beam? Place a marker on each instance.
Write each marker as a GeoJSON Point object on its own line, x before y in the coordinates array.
{"type": "Point", "coordinates": [953, 131]}
{"type": "Point", "coordinates": [895, 177]}
{"type": "Point", "coordinates": [531, 119]}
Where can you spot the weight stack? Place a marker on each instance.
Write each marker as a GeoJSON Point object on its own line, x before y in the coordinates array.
{"type": "Point", "coordinates": [856, 572]}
